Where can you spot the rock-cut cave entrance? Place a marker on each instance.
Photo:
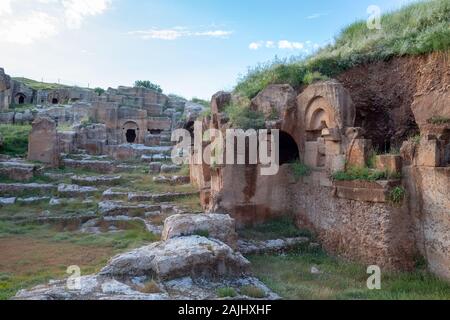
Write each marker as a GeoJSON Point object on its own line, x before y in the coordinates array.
{"type": "Point", "coordinates": [54, 101]}
{"type": "Point", "coordinates": [20, 98]}
{"type": "Point", "coordinates": [288, 149]}
{"type": "Point", "coordinates": [131, 135]}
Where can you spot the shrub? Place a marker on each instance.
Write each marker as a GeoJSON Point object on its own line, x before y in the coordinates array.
{"type": "Point", "coordinates": [148, 85]}
{"type": "Point", "coordinates": [202, 233]}
{"type": "Point", "coordinates": [311, 77]}
{"type": "Point", "coordinates": [15, 139]}
{"type": "Point", "coordinates": [243, 117]}
{"type": "Point", "coordinates": [226, 292]}
{"type": "Point", "coordinates": [150, 287]}
{"type": "Point", "coordinates": [204, 103]}
{"type": "Point", "coordinates": [439, 120]}
{"type": "Point", "coordinates": [300, 170]}
{"type": "Point", "coordinates": [253, 292]}
{"type": "Point", "coordinates": [397, 195]}
{"type": "Point", "coordinates": [357, 173]}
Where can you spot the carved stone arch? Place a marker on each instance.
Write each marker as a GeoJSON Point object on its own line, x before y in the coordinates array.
{"type": "Point", "coordinates": [130, 132]}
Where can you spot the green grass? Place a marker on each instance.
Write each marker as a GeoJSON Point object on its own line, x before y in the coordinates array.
{"type": "Point", "coordinates": [363, 174]}
{"type": "Point", "coordinates": [253, 292]}
{"type": "Point", "coordinates": [133, 236]}
{"type": "Point", "coordinates": [226, 292]}
{"type": "Point", "coordinates": [275, 229]}
{"type": "Point", "coordinates": [15, 139]}
{"type": "Point", "coordinates": [290, 276]}
{"type": "Point", "coordinates": [299, 169]}
{"type": "Point", "coordinates": [415, 29]}
{"type": "Point", "coordinates": [397, 195]}
{"type": "Point", "coordinates": [37, 85]}
{"type": "Point", "coordinates": [439, 120]}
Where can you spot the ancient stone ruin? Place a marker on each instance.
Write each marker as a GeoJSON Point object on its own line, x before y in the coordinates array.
{"type": "Point", "coordinates": [321, 130]}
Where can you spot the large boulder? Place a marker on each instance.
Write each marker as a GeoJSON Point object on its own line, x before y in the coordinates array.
{"type": "Point", "coordinates": [219, 101]}
{"type": "Point", "coordinates": [193, 256]}
{"type": "Point", "coordinates": [274, 100]}
{"type": "Point", "coordinates": [217, 226]}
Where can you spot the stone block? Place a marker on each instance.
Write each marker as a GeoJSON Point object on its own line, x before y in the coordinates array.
{"type": "Point", "coordinates": [359, 152]}
{"type": "Point", "coordinates": [389, 163]}
{"type": "Point", "coordinates": [428, 154]}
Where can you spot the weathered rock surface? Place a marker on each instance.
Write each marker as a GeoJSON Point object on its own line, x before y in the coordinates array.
{"type": "Point", "coordinates": [95, 287]}
{"type": "Point", "coordinates": [185, 256]}
{"type": "Point", "coordinates": [43, 145]}
{"type": "Point", "coordinates": [75, 191]}
{"type": "Point", "coordinates": [100, 166]}
{"type": "Point", "coordinates": [219, 101]}
{"type": "Point", "coordinates": [163, 197]}
{"type": "Point", "coordinates": [36, 188]}
{"type": "Point", "coordinates": [175, 180]}
{"type": "Point", "coordinates": [269, 246]}
{"type": "Point", "coordinates": [274, 100]}
{"type": "Point", "coordinates": [17, 170]}
{"type": "Point", "coordinates": [217, 226]}
{"type": "Point", "coordinates": [115, 208]}
{"type": "Point", "coordinates": [96, 180]}
{"type": "Point", "coordinates": [168, 168]}
{"type": "Point", "coordinates": [113, 194]}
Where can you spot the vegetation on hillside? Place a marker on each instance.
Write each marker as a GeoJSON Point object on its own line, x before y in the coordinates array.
{"type": "Point", "coordinates": [37, 85]}
{"type": "Point", "coordinates": [99, 91]}
{"type": "Point", "coordinates": [415, 29]}
{"type": "Point", "coordinates": [148, 85]}
{"type": "Point", "coordinates": [15, 139]}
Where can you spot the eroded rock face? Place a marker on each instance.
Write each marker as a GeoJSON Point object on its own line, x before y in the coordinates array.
{"type": "Point", "coordinates": [274, 100]}
{"type": "Point", "coordinates": [219, 101]}
{"type": "Point", "coordinates": [96, 287]}
{"type": "Point", "coordinates": [184, 256]}
{"type": "Point", "coordinates": [5, 90]}
{"type": "Point", "coordinates": [217, 226]}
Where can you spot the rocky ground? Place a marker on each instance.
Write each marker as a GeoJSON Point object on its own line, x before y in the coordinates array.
{"type": "Point", "coordinates": [137, 232]}
{"type": "Point", "coordinates": [199, 256]}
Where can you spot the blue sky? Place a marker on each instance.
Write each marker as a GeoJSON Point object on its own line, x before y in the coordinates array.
{"type": "Point", "coordinates": [189, 47]}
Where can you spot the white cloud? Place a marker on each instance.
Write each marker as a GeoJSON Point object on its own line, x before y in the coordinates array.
{"type": "Point", "coordinates": [259, 44]}
{"type": "Point", "coordinates": [178, 32]}
{"type": "Point", "coordinates": [316, 16]}
{"type": "Point", "coordinates": [305, 47]}
{"type": "Point", "coordinates": [5, 7]}
{"type": "Point", "coordinates": [76, 11]}
{"type": "Point", "coordinates": [25, 22]}
{"type": "Point", "coordinates": [255, 45]}
{"type": "Point", "coordinates": [26, 30]}
{"type": "Point", "coordinates": [285, 44]}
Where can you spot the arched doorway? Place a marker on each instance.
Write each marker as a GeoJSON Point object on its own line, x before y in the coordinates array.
{"type": "Point", "coordinates": [20, 98]}
{"type": "Point", "coordinates": [55, 101]}
{"type": "Point", "coordinates": [131, 132]}
{"type": "Point", "coordinates": [288, 149]}
{"type": "Point", "coordinates": [131, 135]}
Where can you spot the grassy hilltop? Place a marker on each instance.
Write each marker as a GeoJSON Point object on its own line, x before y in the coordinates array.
{"type": "Point", "coordinates": [415, 29]}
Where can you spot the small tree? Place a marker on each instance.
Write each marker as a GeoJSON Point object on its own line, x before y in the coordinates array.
{"type": "Point", "coordinates": [147, 84]}
{"type": "Point", "coordinates": [99, 91]}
